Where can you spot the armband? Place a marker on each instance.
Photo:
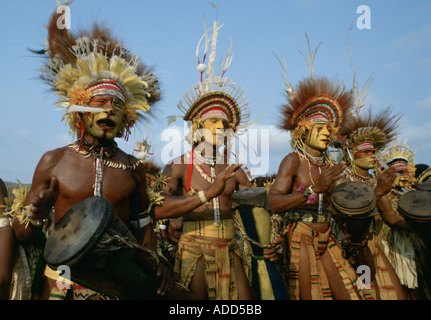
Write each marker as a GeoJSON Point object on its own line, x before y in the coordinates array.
{"type": "Point", "coordinates": [308, 193]}
{"type": "Point", "coordinates": [142, 222]}
{"type": "Point", "coordinates": [5, 221]}
{"type": "Point", "coordinates": [202, 197]}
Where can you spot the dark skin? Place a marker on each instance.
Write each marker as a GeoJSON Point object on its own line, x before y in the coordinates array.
{"type": "Point", "coordinates": [178, 203]}
{"type": "Point", "coordinates": [294, 171]}
{"type": "Point", "coordinates": [63, 178]}
{"type": "Point", "coordinates": [385, 181]}
{"type": "Point", "coordinates": [7, 249]}
{"type": "Point", "coordinates": [364, 161]}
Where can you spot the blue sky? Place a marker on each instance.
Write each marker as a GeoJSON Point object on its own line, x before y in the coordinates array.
{"type": "Point", "coordinates": [396, 51]}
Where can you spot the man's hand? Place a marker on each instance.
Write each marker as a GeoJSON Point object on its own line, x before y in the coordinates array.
{"type": "Point", "coordinates": [218, 186]}
{"type": "Point", "coordinates": [167, 278]}
{"type": "Point", "coordinates": [385, 180]}
{"type": "Point", "coordinates": [175, 230]}
{"type": "Point", "coordinates": [272, 253]}
{"type": "Point", "coordinates": [40, 206]}
{"type": "Point", "coordinates": [329, 176]}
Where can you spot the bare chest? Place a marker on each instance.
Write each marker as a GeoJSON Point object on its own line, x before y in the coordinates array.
{"type": "Point", "coordinates": [77, 181]}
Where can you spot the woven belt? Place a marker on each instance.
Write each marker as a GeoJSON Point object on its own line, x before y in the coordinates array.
{"type": "Point", "coordinates": [308, 216]}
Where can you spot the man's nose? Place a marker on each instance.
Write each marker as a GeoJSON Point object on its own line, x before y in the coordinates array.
{"type": "Point", "coordinates": [219, 125]}
{"type": "Point", "coordinates": [326, 132]}
{"type": "Point", "coordinates": [108, 108]}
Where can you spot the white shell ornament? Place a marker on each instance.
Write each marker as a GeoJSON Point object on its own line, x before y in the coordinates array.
{"type": "Point", "coordinates": [201, 67]}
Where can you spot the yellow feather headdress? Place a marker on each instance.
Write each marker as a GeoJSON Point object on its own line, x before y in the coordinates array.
{"type": "Point", "coordinates": [398, 151]}
{"type": "Point", "coordinates": [402, 157]}
{"type": "Point", "coordinates": [76, 63]}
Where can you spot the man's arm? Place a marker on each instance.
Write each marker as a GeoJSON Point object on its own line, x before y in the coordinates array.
{"type": "Point", "coordinates": [175, 206]}
{"type": "Point", "coordinates": [385, 180]}
{"type": "Point", "coordinates": [243, 182]}
{"type": "Point", "coordinates": [280, 195]}
{"type": "Point", "coordinates": [388, 214]}
{"type": "Point", "coordinates": [147, 234]}
{"type": "Point", "coordinates": [41, 196]}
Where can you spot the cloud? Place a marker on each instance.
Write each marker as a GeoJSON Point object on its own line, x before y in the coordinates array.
{"type": "Point", "coordinates": [414, 135]}
{"type": "Point", "coordinates": [413, 41]}
{"type": "Point", "coordinates": [21, 135]}
{"type": "Point", "coordinates": [261, 147]}
{"type": "Point", "coordinates": [423, 105]}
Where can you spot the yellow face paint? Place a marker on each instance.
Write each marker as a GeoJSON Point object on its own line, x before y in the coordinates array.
{"type": "Point", "coordinates": [366, 159]}
{"type": "Point", "coordinates": [214, 130]}
{"type": "Point", "coordinates": [318, 137]}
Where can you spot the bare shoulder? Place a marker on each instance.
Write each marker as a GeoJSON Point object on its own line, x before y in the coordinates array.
{"type": "Point", "coordinates": [242, 178]}
{"type": "Point", "coordinates": [137, 165]}
{"type": "Point", "coordinates": [289, 163]}
{"type": "Point", "coordinates": [52, 157]}
{"type": "Point", "coordinates": [45, 169]}
{"type": "Point", "coordinates": [177, 167]}
{"type": "Point", "coordinates": [286, 172]}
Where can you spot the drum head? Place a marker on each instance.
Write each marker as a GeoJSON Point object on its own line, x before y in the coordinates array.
{"type": "Point", "coordinates": [424, 186]}
{"type": "Point", "coordinates": [254, 197]}
{"type": "Point", "coordinates": [245, 194]}
{"type": "Point", "coordinates": [416, 204]}
{"type": "Point", "coordinates": [355, 199]}
{"type": "Point", "coordinates": [78, 231]}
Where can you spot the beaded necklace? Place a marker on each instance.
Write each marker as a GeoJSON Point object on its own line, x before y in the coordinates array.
{"type": "Point", "coordinates": [101, 158]}
{"type": "Point", "coordinates": [198, 159]}
{"type": "Point", "coordinates": [371, 180]}
{"type": "Point", "coordinates": [319, 162]}
{"type": "Point", "coordinates": [105, 154]}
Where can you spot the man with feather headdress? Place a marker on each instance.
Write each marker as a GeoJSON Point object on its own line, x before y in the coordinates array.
{"type": "Point", "coordinates": [314, 267]}
{"type": "Point", "coordinates": [401, 245]}
{"type": "Point", "coordinates": [201, 183]}
{"type": "Point", "coordinates": [361, 140]}
{"type": "Point", "coordinates": [104, 89]}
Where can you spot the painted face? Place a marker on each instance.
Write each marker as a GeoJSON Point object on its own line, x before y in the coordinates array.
{"type": "Point", "coordinates": [105, 125]}
{"type": "Point", "coordinates": [214, 129]}
{"type": "Point", "coordinates": [403, 179]}
{"type": "Point", "coordinates": [365, 159]}
{"type": "Point", "coordinates": [318, 137]}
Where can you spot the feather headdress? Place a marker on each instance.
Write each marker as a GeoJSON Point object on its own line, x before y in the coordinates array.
{"type": "Point", "coordinates": [400, 155]}
{"type": "Point", "coordinates": [79, 65]}
{"type": "Point", "coordinates": [215, 95]}
{"type": "Point", "coordinates": [314, 99]}
{"type": "Point", "coordinates": [365, 131]}
{"type": "Point", "coordinates": [368, 131]}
